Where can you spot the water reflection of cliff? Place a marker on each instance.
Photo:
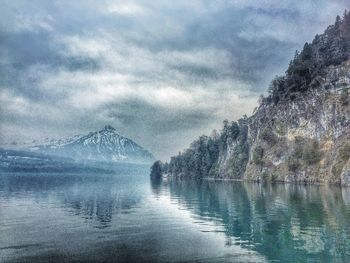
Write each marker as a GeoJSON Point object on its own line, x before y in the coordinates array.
{"type": "Point", "coordinates": [283, 222]}
{"type": "Point", "coordinates": [95, 199]}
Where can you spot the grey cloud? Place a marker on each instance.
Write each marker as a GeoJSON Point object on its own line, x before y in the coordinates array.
{"type": "Point", "coordinates": [138, 113]}
{"type": "Point", "coordinates": [171, 130]}
{"type": "Point", "coordinates": [162, 72]}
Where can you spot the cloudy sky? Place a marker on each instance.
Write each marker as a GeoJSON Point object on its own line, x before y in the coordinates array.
{"type": "Point", "coordinates": [161, 72]}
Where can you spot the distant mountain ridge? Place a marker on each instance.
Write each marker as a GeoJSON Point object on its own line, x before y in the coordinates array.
{"type": "Point", "coordinates": [24, 161]}
{"type": "Point", "coordinates": [104, 145]}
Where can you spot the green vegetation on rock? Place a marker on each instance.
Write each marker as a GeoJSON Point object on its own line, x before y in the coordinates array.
{"type": "Point", "coordinates": [312, 154]}
{"type": "Point", "coordinates": [258, 154]}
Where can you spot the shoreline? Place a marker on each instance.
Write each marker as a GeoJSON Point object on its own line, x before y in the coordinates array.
{"type": "Point", "coordinates": [261, 181]}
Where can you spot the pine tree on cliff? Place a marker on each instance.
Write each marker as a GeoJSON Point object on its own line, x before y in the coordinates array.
{"type": "Point", "coordinates": [307, 68]}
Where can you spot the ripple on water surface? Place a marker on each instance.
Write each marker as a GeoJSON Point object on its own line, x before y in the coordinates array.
{"type": "Point", "coordinates": [128, 218]}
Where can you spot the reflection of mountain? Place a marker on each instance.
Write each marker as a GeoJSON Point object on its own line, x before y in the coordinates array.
{"type": "Point", "coordinates": [100, 201]}
{"type": "Point", "coordinates": [282, 222]}
{"type": "Point", "coordinates": [96, 199]}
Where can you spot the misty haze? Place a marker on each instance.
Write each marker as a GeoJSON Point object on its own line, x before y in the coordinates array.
{"type": "Point", "coordinates": [186, 131]}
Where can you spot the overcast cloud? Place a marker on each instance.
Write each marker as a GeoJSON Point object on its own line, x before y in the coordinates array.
{"type": "Point", "coordinates": [161, 72]}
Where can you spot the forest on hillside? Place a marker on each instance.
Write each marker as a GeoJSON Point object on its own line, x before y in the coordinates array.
{"type": "Point", "coordinates": [305, 71]}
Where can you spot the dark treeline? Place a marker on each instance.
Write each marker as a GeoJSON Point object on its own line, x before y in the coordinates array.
{"type": "Point", "coordinates": [202, 158]}
{"type": "Point", "coordinates": [307, 68]}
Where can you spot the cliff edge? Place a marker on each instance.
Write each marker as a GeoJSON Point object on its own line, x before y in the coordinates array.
{"type": "Point", "coordinates": [299, 133]}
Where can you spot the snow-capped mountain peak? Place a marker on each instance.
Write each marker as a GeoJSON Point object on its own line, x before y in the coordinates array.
{"type": "Point", "coordinates": [108, 128]}
{"type": "Point", "coordinates": [103, 145]}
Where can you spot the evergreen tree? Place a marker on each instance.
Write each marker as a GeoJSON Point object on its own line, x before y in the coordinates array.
{"type": "Point", "coordinates": [156, 170]}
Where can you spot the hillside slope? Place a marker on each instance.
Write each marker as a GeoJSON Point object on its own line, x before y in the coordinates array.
{"type": "Point", "coordinates": [299, 133]}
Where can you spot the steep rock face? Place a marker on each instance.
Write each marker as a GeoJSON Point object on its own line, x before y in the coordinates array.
{"type": "Point", "coordinates": [345, 174]}
{"type": "Point", "coordinates": [103, 145]}
{"type": "Point", "coordinates": [304, 140]}
{"type": "Point", "coordinates": [300, 132]}
{"type": "Point", "coordinates": [233, 160]}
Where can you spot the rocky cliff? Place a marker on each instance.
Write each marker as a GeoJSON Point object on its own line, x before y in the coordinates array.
{"type": "Point", "coordinates": [299, 133]}
{"type": "Point", "coordinates": [307, 139]}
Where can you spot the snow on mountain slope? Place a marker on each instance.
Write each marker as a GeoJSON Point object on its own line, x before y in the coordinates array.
{"type": "Point", "coordinates": [103, 145]}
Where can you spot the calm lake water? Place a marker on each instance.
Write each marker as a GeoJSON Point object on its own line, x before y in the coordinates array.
{"type": "Point", "coordinates": [128, 218]}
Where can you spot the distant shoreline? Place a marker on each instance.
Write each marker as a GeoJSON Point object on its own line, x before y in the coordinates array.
{"type": "Point", "coordinates": [223, 179]}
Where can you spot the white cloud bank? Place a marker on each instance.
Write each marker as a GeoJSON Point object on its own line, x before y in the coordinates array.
{"type": "Point", "coordinates": [161, 72]}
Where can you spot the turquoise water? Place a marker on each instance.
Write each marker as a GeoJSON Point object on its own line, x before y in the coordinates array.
{"type": "Point", "coordinates": [129, 218]}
